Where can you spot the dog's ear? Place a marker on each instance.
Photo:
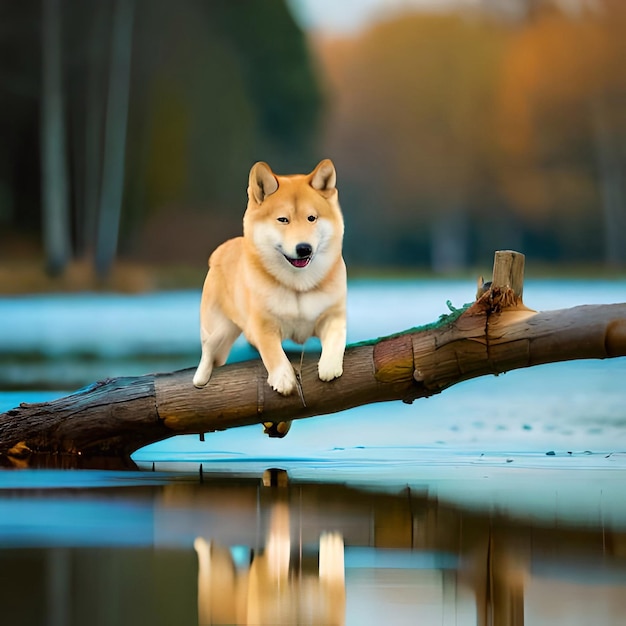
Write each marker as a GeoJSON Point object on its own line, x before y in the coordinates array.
{"type": "Point", "coordinates": [262, 182]}
{"type": "Point", "coordinates": [324, 177]}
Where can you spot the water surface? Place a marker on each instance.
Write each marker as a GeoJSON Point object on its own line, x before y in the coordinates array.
{"type": "Point", "coordinates": [163, 548]}
{"type": "Point", "coordinates": [500, 499]}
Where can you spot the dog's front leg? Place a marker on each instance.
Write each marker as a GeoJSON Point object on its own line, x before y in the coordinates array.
{"type": "Point", "coordinates": [332, 333]}
{"type": "Point", "coordinates": [205, 367]}
{"type": "Point", "coordinates": [216, 344]}
{"type": "Point", "coordinates": [267, 340]}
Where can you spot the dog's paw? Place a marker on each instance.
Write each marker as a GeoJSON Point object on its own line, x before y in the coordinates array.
{"type": "Point", "coordinates": [282, 380]}
{"type": "Point", "coordinates": [201, 379]}
{"type": "Point", "coordinates": [276, 429]}
{"type": "Point", "coordinates": [329, 370]}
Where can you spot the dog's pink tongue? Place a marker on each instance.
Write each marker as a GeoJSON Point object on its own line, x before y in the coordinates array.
{"type": "Point", "coordinates": [300, 262]}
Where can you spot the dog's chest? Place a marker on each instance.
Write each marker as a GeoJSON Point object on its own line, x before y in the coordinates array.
{"type": "Point", "coordinates": [297, 314]}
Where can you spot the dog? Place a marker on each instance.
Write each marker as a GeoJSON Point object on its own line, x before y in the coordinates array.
{"type": "Point", "coordinates": [285, 278]}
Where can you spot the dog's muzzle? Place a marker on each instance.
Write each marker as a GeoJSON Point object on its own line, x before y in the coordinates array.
{"type": "Point", "coordinates": [303, 252]}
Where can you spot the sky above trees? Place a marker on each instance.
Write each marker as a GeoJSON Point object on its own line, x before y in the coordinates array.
{"type": "Point", "coordinates": [348, 17]}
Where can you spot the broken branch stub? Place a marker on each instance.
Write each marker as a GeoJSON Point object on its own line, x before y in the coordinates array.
{"type": "Point", "coordinates": [508, 271]}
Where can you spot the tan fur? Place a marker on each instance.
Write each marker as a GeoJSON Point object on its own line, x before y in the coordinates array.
{"type": "Point", "coordinates": [251, 286]}
{"type": "Point", "coordinates": [272, 590]}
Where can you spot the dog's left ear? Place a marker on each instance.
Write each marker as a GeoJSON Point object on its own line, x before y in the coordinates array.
{"type": "Point", "coordinates": [324, 177]}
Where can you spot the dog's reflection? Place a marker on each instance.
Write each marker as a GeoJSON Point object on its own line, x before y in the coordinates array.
{"type": "Point", "coordinates": [267, 591]}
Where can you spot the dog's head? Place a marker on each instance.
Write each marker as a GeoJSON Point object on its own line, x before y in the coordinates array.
{"type": "Point", "coordinates": [294, 223]}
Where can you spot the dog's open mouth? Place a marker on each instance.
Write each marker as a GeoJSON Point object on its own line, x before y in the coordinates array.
{"type": "Point", "coordinates": [299, 262]}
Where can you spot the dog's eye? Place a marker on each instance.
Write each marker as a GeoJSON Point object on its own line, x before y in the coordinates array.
{"type": "Point", "coordinates": [312, 218]}
{"type": "Point", "coordinates": [283, 220]}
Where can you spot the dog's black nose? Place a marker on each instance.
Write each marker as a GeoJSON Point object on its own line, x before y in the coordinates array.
{"type": "Point", "coordinates": [303, 250]}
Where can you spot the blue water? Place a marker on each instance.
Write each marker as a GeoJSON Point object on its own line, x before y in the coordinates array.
{"type": "Point", "coordinates": [166, 323]}
{"type": "Point", "coordinates": [65, 342]}
{"type": "Point", "coordinates": [524, 471]}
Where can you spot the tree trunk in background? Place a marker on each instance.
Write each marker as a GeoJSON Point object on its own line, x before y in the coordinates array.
{"type": "Point", "coordinates": [449, 240]}
{"type": "Point", "coordinates": [611, 173]}
{"type": "Point", "coordinates": [90, 136]}
{"type": "Point", "coordinates": [54, 184]}
{"type": "Point", "coordinates": [115, 136]}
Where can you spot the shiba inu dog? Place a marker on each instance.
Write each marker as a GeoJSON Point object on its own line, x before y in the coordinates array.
{"type": "Point", "coordinates": [284, 279]}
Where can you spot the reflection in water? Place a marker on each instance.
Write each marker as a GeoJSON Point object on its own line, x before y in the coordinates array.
{"type": "Point", "coordinates": [232, 551]}
{"type": "Point", "coordinates": [266, 592]}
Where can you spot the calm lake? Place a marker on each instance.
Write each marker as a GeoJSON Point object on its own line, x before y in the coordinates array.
{"type": "Point", "coordinates": [500, 501]}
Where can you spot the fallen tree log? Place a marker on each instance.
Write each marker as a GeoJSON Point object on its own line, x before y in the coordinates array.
{"type": "Point", "coordinates": [497, 333]}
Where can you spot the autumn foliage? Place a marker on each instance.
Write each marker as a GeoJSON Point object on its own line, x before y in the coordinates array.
{"type": "Point", "coordinates": [471, 132]}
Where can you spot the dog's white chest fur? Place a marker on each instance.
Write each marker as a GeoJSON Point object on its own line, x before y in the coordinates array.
{"type": "Point", "coordinates": [297, 313]}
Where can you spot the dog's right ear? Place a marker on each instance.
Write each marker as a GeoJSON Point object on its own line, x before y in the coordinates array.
{"type": "Point", "coordinates": [262, 182]}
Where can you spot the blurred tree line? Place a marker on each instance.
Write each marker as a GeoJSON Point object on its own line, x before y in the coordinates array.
{"type": "Point", "coordinates": [463, 133]}
{"type": "Point", "coordinates": [128, 128]}
{"type": "Point", "coordinates": [115, 112]}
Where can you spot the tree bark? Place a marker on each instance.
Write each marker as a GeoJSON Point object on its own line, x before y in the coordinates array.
{"type": "Point", "coordinates": [496, 334]}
